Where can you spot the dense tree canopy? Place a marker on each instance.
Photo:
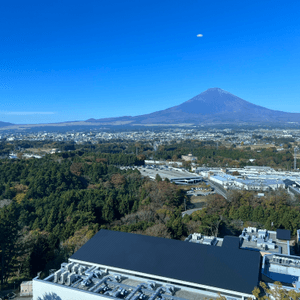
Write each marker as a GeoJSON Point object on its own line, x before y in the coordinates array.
{"type": "Point", "coordinates": [60, 201]}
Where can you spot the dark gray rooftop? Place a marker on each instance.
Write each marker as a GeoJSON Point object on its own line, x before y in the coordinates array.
{"type": "Point", "coordinates": [232, 242]}
{"type": "Point", "coordinates": [283, 234]}
{"type": "Point", "coordinates": [221, 267]}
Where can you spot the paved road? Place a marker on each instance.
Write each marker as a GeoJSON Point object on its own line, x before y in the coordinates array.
{"type": "Point", "coordinates": [218, 190]}
{"type": "Point", "coordinates": [190, 211]}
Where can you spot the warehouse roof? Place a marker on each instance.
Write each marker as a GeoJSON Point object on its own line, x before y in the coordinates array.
{"type": "Point", "coordinates": [232, 242]}
{"type": "Point", "coordinates": [221, 267]}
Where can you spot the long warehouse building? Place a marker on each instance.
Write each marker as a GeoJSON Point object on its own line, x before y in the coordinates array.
{"type": "Point", "coordinates": [131, 266]}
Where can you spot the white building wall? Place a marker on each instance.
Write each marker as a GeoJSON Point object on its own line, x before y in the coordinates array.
{"type": "Point", "coordinates": [45, 290]}
{"type": "Point", "coordinates": [216, 180]}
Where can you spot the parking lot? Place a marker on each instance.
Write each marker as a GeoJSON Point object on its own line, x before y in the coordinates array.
{"type": "Point", "coordinates": [164, 172]}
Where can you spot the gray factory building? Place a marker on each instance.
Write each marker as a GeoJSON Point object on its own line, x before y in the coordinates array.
{"type": "Point", "coordinates": [265, 241]}
{"type": "Point", "coordinates": [129, 266]}
{"type": "Point", "coordinates": [277, 262]}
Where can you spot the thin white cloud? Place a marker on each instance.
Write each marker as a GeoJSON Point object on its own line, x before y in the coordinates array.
{"type": "Point", "coordinates": [26, 113]}
{"type": "Point", "coordinates": [199, 35]}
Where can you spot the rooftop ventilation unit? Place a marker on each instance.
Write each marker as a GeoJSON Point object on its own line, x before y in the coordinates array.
{"type": "Point", "coordinates": [63, 265]}
{"type": "Point", "coordinates": [156, 293]}
{"type": "Point", "coordinates": [170, 289]}
{"type": "Point", "coordinates": [75, 268]}
{"type": "Point", "coordinates": [151, 285]}
{"type": "Point", "coordinates": [76, 283]}
{"type": "Point", "coordinates": [98, 273]}
{"type": "Point", "coordinates": [209, 241]}
{"type": "Point", "coordinates": [103, 288]}
{"type": "Point", "coordinates": [71, 278]}
{"type": "Point", "coordinates": [196, 236]}
{"type": "Point", "coordinates": [89, 270]}
{"type": "Point", "coordinates": [63, 277]}
{"type": "Point", "coordinates": [88, 280]}
{"type": "Point", "coordinates": [262, 233]}
{"type": "Point", "coordinates": [120, 292]}
{"type": "Point", "coordinates": [137, 289]}
{"type": "Point", "coordinates": [254, 238]}
{"type": "Point", "coordinates": [142, 296]}
{"type": "Point", "coordinates": [69, 266]}
{"type": "Point", "coordinates": [270, 245]}
{"type": "Point", "coordinates": [81, 270]}
{"type": "Point", "coordinates": [251, 229]}
{"type": "Point", "coordinates": [188, 238]}
{"type": "Point", "coordinates": [137, 296]}
{"type": "Point", "coordinates": [57, 275]}
{"type": "Point", "coordinates": [97, 287]}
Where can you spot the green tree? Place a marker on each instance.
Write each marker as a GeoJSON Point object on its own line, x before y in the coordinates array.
{"type": "Point", "coordinates": [8, 241]}
{"type": "Point", "coordinates": [108, 211]}
{"type": "Point", "coordinates": [40, 252]}
{"type": "Point", "coordinates": [263, 292]}
{"type": "Point", "coordinates": [158, 178]}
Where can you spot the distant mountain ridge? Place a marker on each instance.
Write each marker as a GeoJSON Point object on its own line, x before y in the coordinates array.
{"type": "Point", "coordinates": [214, 106]}
{"type": "Point", "coordinates": [3, 124]}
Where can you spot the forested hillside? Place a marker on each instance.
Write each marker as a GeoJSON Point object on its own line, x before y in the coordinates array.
{"type": "Point", "coordinates": [55, 204]}
{"type": "Point", "coordinates": [50, 207]}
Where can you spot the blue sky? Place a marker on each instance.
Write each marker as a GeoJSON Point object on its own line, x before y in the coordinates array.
{"type": "Point", "coordinates": [66, 60]}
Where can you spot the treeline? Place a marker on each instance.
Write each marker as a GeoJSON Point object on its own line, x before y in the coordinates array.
{"type": "Point", "coordinates": [211, 155]}
{"type": "Point", "coordinates": [242, 209]}
{"type": "Point", "coordinates": [111, 147]}
{"type": "Point", "coordinates": [208, 152]}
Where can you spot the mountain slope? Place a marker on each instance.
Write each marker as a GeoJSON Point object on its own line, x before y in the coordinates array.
{"type": "Point", "coordinates": [212, 106]}
{"type": "Point", "coordinates": [3, 124]}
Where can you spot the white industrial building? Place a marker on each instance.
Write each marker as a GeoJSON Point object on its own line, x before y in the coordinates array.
{"type": "Point", "coordinates": [252, 178]}
{"type": "Point", "coordinates": [118, 265]}
{"type": "Point", "coordinates": [253, 184]}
